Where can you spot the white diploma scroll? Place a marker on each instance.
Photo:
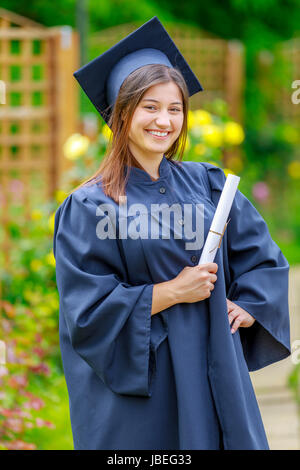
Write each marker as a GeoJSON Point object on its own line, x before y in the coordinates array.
{"type": "Point", "coordinates": [219, 223]}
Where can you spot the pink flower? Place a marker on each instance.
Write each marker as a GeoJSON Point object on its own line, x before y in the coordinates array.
{"type": "Point", "coordinates": [11, 357]}
{"type": "Point", "coordinates": [18, 381]}
{"type": "Point", "coordinates": [35, 403]}
{"type": "Point", "coordinates": [39, 351]}
{"type": "Point", "coordinates": [25, 414]}
{"type": "Point", "coordinates": [40, 369]}
{"type": "Point", "coordinates": [6, 412]}
{"type": "Point", "coordinates": [29, 425]}
{"type": "Point", "coordinates": [260, 191]}
{"type": "Point", "coordinates": [41, 423]}
{"type": "Point", "coordinates": [14, 424]}
{"type": "Point", "coordinates": [48, 424]}
{"type": "Point", "coordinates": [3, 371]}
{"type": "Point", "coordinates": [19, 445]}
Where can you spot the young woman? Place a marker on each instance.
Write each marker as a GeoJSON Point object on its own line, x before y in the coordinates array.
{"type": "Point", "coordinates": [156, 349]}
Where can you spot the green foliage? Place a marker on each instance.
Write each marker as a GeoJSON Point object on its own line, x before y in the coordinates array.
{"type": "Point", "coordinates": [33, 402]}
{"type": "Point", "coordinates": [55, 410]}
{"type": "Point", "coordinates": [102, 14]}
{"type": "Point", "coordinates": [294, 383]}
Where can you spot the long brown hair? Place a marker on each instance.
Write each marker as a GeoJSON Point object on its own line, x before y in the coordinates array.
{"type": "Point", "coordinates": [112, 168]}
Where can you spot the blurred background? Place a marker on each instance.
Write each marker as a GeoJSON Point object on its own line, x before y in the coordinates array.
{"type": "Point", "coordinates": [246, 55]}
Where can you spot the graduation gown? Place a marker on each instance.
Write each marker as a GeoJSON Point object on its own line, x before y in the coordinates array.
{"type": "Point", "coordinates": [178, 379]}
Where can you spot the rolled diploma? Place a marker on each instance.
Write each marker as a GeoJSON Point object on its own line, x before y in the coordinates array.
{"type": "Point", "coordinates": [220, 218]}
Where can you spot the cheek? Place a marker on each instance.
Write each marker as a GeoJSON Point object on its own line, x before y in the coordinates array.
{"type": "Point", "coordinates": [136, 133]}
{"type": "Point", "coordinates": [178, 125]}
{"type": "Point", "coordinates": [137, 128]}
{"type": "Point", "coordinates": [180, 122]}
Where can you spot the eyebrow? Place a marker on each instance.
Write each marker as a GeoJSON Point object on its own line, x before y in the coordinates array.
{"type": "Point", "coordinates": [155, 101]}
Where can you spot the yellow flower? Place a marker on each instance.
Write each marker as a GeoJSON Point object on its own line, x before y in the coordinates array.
{"type": "Point", "coordinates": [227, 171]}
{"type": "Point", "coordinates": [36, 215]}
{"type": "Point", "coordinates": [106, 132]}
{"type": "Point", "coordinates": [76, 146]}
{"type": "Point", "coordinates": [233, 133]}
{"type": "Point", "coordinates": [212, 135]}
{"type": "Point", "coordinates": [60, 196]}
{"type": "Point", "coordinates": [294, 169]}
{"type": "Point", "coordinates": [51, 222]}
{"type": "Point", "coordinates": [200, 149]}
{"type": "Point", "coordinates": [50, 259]}
{"type": "Point", "coordinates": [202, 117]}
{"type": "Point", "coordinates": [35, 265]}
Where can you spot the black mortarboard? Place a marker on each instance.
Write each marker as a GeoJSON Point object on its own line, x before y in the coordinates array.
{"type": "Point", "coordinates": [102, 78]}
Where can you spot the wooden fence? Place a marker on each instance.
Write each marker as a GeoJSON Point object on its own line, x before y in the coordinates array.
{"type": "Point", "coordinates": [39, 111]}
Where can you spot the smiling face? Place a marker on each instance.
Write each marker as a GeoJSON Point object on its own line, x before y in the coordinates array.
{"type": "Point", "coordinates": [157, 121]}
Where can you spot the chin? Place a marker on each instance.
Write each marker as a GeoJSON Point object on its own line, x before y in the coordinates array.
{"type": "Point", "coordinates": [157, 148]}
{"type": "Point", "coordinates": [158, 145]}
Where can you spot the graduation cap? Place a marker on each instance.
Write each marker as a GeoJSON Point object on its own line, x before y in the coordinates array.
{"type": "Point", "coordinates": [101, 79]}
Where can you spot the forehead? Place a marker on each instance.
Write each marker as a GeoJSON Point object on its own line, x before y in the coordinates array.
{"type": "Point", "coordinates": [164, 92]}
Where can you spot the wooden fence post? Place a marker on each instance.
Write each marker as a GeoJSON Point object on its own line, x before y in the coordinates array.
{"type": "Point", "coordinates": [234, 79]}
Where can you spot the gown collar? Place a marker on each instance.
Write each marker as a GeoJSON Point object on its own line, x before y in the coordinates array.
{"type": "Point", "coordinates": [139, 175]}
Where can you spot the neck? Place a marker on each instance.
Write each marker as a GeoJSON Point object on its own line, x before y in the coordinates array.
{"type": "Point", "coordinates": [150, 166]}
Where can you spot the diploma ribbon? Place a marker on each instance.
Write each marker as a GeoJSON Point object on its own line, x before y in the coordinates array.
{"type": "Point", "coordinates": [221, 235]}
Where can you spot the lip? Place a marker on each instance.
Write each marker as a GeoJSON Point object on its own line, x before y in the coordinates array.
{"type": "Point", "coordinates": [157, 136]}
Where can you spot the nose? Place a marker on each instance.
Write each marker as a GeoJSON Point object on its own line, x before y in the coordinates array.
{"type": "Point", "coordinates": [163, 119]}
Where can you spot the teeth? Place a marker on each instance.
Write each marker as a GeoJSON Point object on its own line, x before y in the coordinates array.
{"type": "Point", "coordinates": [161, 134]}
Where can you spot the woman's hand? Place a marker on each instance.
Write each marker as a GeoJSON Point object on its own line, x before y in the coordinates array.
{"type": "Point", "coordinates": [195, 283]}
{"type": "Point", "coordinates": [238, 316]}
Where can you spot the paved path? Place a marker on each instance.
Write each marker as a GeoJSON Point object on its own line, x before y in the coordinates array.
{"type": "Point", "coordinates": [278, 408]}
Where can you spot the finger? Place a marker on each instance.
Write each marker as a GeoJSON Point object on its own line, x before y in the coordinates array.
{"type": "Point", "coordinates": [211, 286]}
{"type": "Point", "coordinates": [236, 325]}
{"type": "Point", "coordinates": [212, 267]}
{"type": "Point", "coordinates": [232, 315]}
{"type": "Point", "coordinates": [230, 307]}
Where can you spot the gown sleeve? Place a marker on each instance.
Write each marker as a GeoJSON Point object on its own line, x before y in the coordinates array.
{"type": "Point", "coordinates": [108, 320]}
{"type": "Point", "coordinates": [259, 279]}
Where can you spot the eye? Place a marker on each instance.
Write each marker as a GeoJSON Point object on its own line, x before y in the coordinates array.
{"type": "Point", "coordinates": [176, 110]}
